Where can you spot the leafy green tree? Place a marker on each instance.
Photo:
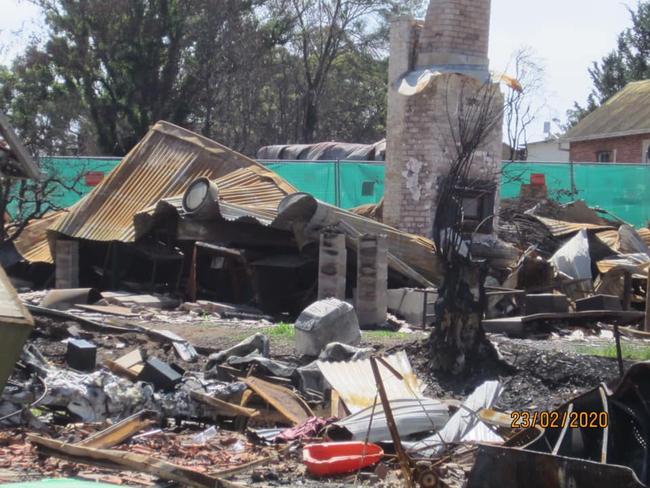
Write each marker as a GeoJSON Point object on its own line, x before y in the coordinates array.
{"type": "Point", "coordinates": [630, 61]}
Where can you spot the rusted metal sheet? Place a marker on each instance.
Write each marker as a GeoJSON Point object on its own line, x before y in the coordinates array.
{"type": "Point", "coordinates": [561, 228]}
{"type": "Point", "coordinates": [160, 166]}
{"type": "Point", "coordinates": [32, 243]}
{"type": "Point", "coordinates": [504, 467]}
{"type": "Point", "coordinates": [290, 405]}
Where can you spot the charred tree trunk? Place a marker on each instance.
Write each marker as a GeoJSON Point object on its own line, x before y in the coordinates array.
{"type": "Point", "coordinates": [474, 112]}
{"type": "Point", "coordinates": [456, 339]}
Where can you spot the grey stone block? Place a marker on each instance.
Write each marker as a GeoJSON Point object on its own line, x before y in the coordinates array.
{"type": "Point", "coordinates": [326, 321]}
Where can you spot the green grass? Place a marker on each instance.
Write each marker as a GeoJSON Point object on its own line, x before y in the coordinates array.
{"type": "Point", "coordinates": [281, 329]}
{"type": "Point", "coordinates": [386, 334]}
{"type": "Point", "coordinates": [632, 352]}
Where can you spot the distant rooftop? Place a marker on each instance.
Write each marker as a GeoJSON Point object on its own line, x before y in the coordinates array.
{"type": "Point", "coordinates": [626, 113]}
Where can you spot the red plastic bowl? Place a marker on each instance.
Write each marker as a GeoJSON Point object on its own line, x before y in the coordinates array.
{"type": "Point", "coordinates": [330, 458]}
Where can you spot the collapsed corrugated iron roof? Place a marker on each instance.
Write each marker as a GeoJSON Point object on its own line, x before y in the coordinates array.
{"type": "Point", "coordinates": [160, 166]}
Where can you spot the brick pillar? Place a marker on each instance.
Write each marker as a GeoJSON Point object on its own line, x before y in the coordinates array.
{"type": "Point", "coordinates": [456, 32]}
{"type": "Point", "coordinates": [66, 260]}
{"type": "Point", "coordinates": [332, 260]}
{"type": "Point", "coordinates": [372, 280]}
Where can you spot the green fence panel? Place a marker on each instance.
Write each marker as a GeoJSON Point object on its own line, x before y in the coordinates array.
{"type": "Point", "coordinates": [558, 178]}
{"type": "Point", "coordinates": [72, 171]}
{"type": "Point", "coordinates": [360, 183]}
{"type": "Point", "coordinates": [317, 178]}
{"type": "Point", "coordinates": [621, 189]}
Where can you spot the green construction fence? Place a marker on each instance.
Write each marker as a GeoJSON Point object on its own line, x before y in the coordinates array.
{"type": "Point", "coordinates": [621, 189]}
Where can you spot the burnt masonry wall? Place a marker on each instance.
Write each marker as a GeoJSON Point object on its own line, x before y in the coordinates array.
{"type": "Point", "coordinates": [419, 141]}
{"type": "Point", "coordinates": [421, 150]}
{"type": "Point", "coordinates": [626, 149]}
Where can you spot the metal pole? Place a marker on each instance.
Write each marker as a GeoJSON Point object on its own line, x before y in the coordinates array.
{"type": "Point", "coordinates": [392, 427]}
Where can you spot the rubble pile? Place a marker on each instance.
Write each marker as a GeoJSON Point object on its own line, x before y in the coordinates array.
{"type": "Point", "coordinates": [218, 332]}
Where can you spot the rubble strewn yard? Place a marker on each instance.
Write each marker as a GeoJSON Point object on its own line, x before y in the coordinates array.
{"type": "Point", "coordinates": [197, 320]}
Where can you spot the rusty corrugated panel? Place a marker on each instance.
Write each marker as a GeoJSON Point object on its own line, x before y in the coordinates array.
{"type": "Point", "coordinates": [561, 228]}
{"type": "Point", "coordinates": [644, 233]}
{"type": "Point", "coordinates": [246, 192]}
{"type": "Point", "coordinates": [610, 238]}
{"type": "Point", "coordinates": [161, 165]}
{"type": "Point", "coordinates": [32, 242]}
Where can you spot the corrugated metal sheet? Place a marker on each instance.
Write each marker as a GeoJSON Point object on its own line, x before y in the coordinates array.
{"type": "Point", "coordinates": [32, 243]}
{"type": "Point", "coordinates": [411, 417]}
{"type": "Point", "coordinates": [627, 112]}
{"type": "Point", "coordinates": [465, 425]}
{"type": "Point", "coordinates": [644, 232]}
{"type": "Point", "coordinates": [561, 228]}
{"type": "Point", "coordinates": [634, 263]}
{"type": "Point", "coordinates": [161, 165]}
{"type": "Point", "coordinates": [610, 238]}
{"type": "Point", "coordinates": [355, 382]}
{"type": "Point", "coordinates": [246, 193]}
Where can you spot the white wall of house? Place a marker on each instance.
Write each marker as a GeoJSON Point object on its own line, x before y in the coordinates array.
{"type": "Point", "coordinates": [547, 152]}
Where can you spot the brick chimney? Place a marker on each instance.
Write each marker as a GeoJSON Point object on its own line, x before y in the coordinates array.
{"type": "Point", "coordinates": [452, 40]}
{"type": "Point", "coordinates": [455, 33]}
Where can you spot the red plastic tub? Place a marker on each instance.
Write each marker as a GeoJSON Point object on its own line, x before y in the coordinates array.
{"type": "Point", "coordinates": [330, 458]}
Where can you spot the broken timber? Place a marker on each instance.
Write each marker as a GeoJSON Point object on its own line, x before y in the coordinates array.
{"type": "Point", "coordinates": [285, 401]}
{"type": "Point", "coordinates": [119, 432]}
{"type": "Point", "coordinates": [122, 460]}
{"type": "Point", "coordinates": [222, 407]}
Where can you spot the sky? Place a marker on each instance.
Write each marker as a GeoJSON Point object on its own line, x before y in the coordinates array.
{"type": "Point", "coordinates": [566, 36]}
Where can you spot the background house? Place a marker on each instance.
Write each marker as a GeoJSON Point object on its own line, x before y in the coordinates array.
{"type": "Point", "coordinates": [547, 151]}
{"type": "Point", "coordinates": [618, 131]}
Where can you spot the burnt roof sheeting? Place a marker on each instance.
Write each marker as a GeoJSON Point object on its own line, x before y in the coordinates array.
{"type": "Point", "coordinates": [32, 243]}
{"type": "Point", "coordinates": [561, 228]}
{"type": "Point", "coordinates": [245, 194]}
{"type": "Point", "coordinates": [161, 165]}
{"type": "Point", "coordinates": [626, 113]}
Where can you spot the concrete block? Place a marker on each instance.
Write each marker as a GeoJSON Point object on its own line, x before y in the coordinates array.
{"type": "Point", "coordinates": [81, 355]}
{"type": "Point", "coordinates": [372, 280]}
{"type": "Point", "coordinates": [599, 302]}
{"type": "Point", "coordinates": [408, 304]}
{"type": "Point", "coordinates": [332, 264]}
{"type": "Point", "coordinates": [66, 262]}
{"type": "Point", "coordinates": [161, 375]}
{"type": "Point", "coordinates": [546, 303]}
{"type": "Point", "coordinates": [325, 321]}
